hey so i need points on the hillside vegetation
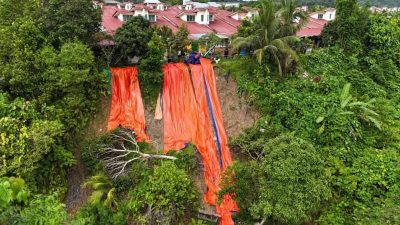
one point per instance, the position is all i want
(325, 148)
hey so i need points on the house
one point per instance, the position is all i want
(315, 24)
(327, 14)
(375, 9)
(313, 28)
(200, 18)
(245, 13)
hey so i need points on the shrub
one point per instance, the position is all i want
(43, 210)
(98, 215)
(287, 185)
(165, 197)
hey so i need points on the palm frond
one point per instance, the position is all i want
(259, 55)
(243, 42)
(279, 44)
(96, 197)
(376, 123)
(110, 200)
(345, 94)
(290, 40)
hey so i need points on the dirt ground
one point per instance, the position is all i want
(236, 113)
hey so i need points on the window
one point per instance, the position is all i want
(125, 17)
(210, 18)
(202, 18)
(320, 16)
(190, 18)
(330, 16)
(152, 18)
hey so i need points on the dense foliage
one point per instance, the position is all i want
(49, 88)
(344, 103)
(150, 68)
(167, 195)
(274, 188)
(341, 31)
(325, 149)
(133, 36)
(273, 35)
(70, 20)
(46, 99)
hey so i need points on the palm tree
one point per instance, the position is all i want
(291, 20)
(103, 191)
(274, 35)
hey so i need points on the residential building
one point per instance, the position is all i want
(246, 13)
(312, 28)
(200, 18)
(327, 14)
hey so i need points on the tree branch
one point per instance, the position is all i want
(117, 159)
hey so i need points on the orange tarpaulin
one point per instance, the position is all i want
(126, 102)
(179, 107)
(183, 122)
(208, 101)
(192, 113)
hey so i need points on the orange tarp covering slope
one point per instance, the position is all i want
(208, 101)
(179, 107)
(126, 102)
(181, 119)
(192, 113)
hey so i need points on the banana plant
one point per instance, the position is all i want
(350, 106)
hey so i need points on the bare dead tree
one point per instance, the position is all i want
(108, 48)
(117, 159)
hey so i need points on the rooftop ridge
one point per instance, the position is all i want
(170, 21)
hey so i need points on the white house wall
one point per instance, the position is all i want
(142, 12)
(236, 16)
(121, 17)
(329, 15)
(205, 14)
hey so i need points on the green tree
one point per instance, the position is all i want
(181, 41)
(210, 40)
(90, 214)
(43, 210)
(286, 185)
(25, 138)
(133, 36)
(167, 37)
(349, 110)
(367, 191)
(19, 44)
(245, 29)
(70, 83)
(150, 67)
(268, 42)
(349, 28)
(288, 14)
(12, 10)
(383, 52)
(167, 195)
(70, 20)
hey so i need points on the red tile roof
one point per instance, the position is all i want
(109, 22)
(313, 27)
(223, 24)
